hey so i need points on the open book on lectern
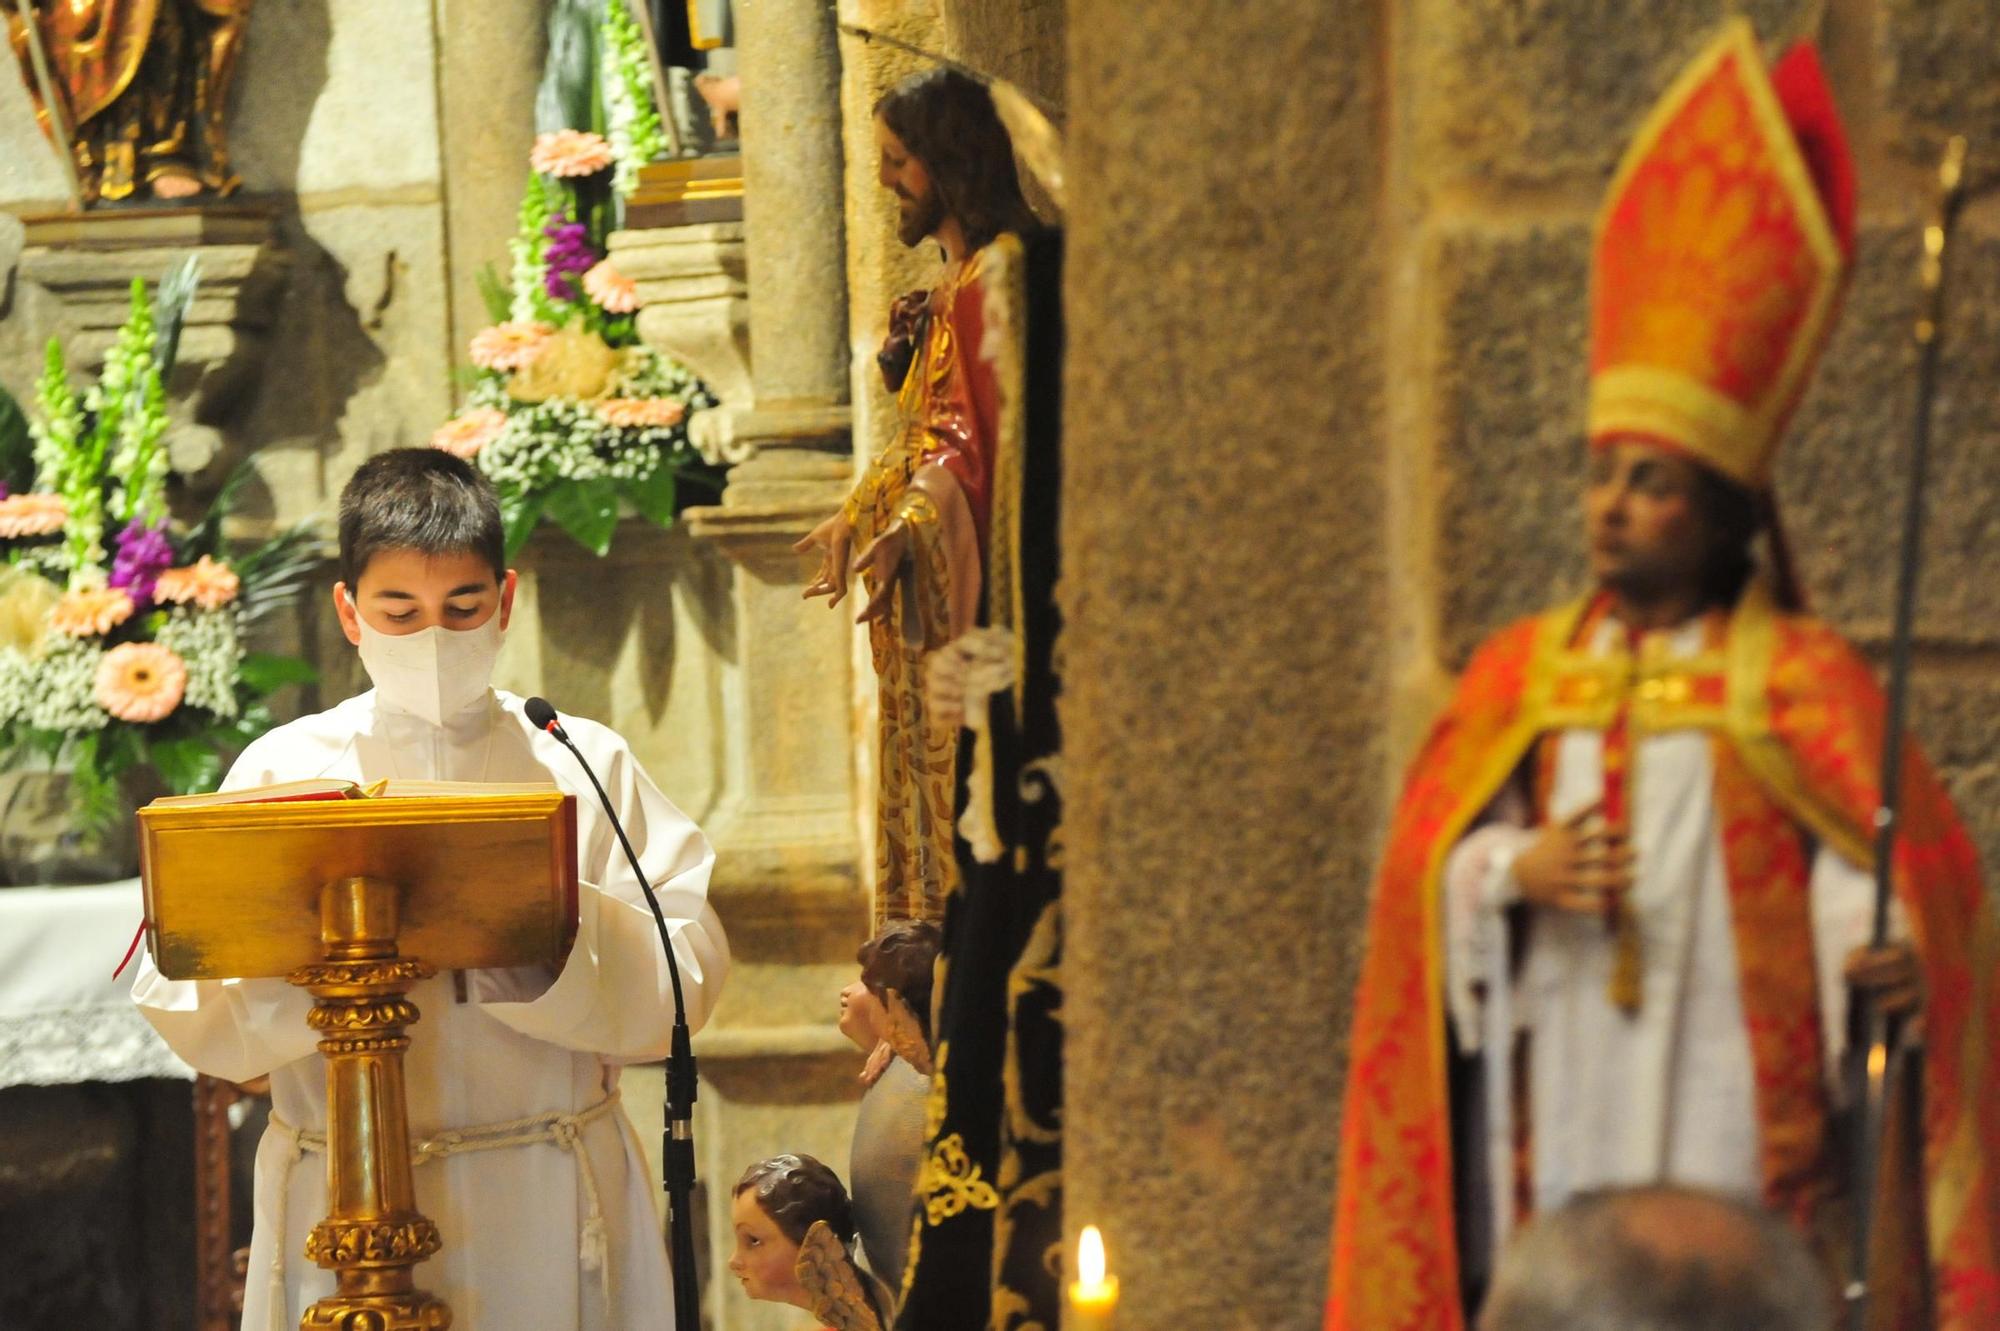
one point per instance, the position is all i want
(486, 873)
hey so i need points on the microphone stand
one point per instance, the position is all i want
(1881, 1045)
(677, 1171)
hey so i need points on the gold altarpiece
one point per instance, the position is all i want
(355, 901)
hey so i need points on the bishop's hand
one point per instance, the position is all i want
(1578, 865)
(1887, 976)
(832, 538)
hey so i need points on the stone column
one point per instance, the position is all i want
(1223, 541)
(777, 1076)
(794, 436)
(789, 817)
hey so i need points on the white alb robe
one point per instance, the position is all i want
(1663, 1095)
(524, 1042)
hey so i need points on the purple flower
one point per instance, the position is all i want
(567, 254)
(143, 554)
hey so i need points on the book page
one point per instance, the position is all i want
(398, 788)
(320, 788)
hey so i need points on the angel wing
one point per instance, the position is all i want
(839, 1298)
(905, 1035)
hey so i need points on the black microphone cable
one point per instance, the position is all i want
(677, 1148)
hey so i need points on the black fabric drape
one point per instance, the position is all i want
(986, 1250)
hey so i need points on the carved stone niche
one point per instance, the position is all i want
(87, 262)
(695, 307)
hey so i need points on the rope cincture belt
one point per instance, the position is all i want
(563, 1130)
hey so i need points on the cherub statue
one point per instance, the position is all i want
(795, 1244)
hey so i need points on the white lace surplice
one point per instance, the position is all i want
(1668, 1093)
(523, 1042)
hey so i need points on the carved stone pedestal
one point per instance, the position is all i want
(88, 262)
(693, 303)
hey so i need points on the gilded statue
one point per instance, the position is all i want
(137, 89)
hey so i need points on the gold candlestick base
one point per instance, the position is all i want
(373, 1234)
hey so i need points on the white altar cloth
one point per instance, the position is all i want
(62, 1017)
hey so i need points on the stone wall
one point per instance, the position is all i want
(1328, 269)
(1226, 598)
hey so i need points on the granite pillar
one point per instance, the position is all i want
(777, 1076)
(1223, 601)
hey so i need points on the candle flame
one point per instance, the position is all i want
(1090, 1257)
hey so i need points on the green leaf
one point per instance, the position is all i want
(493, 293)
(587, 510)
(251, 722)
(265, 673)
(280, 571)
(176, 297)
(567, 95)
(187, 766)
(519, 512)
(653, 495)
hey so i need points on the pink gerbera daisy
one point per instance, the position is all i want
(206, 583)
(140, 681)
(464, 435)
(614, 292)
(570, 152)
(510, 346)
(90, 611)
(633, 413)
(32, 515)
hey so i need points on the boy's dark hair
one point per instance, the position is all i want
(903, 957)
(795, 1191)
(421, 499)
(947, 120)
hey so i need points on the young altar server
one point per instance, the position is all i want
(524, 1158)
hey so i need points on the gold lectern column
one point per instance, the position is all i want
(373, 1233)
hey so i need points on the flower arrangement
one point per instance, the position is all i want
(569, 415)
(121, 631)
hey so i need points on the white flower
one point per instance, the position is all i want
(210, 643)
(56, 690)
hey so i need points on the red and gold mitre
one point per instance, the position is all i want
(1722, 251)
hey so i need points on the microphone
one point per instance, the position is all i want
(677, 1147)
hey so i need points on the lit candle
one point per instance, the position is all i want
(1094, 1293)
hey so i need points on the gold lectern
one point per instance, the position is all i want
(356, 900)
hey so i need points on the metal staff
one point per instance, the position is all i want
(1882, 1044)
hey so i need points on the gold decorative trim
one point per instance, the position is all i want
(1665, 404)
(1753, 646)
(407, 1312)
(689, 180)
(364, 1044)
(363, 1242)
(360, 974)
(1958, 1163)
(696, 38)
(375, 1014)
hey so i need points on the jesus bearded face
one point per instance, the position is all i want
(919, 204)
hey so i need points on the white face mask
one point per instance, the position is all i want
(435, 673)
